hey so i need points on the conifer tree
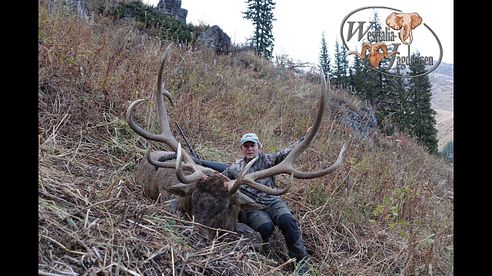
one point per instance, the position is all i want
(370, 84)
(380, 81)
(345, 66)
(337, 71)
(366, 81)
(341, 65)
(324, 57)
(393, 106)
(422, 116)
(260, 12)
(400, 101)
(359, 78)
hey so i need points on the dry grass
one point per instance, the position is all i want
(90, 226)
(388, 211)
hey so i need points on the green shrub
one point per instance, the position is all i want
(153, 22)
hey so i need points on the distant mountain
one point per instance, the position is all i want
(442, 87)
(442, 102)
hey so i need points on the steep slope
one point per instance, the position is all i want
(387, 210)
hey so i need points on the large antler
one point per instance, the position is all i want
(286, 166)
(168, 138)
(232, 186)
(166, 135)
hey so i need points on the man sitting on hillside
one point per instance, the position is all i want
(275, 211)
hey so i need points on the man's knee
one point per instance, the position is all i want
(266, 230)
(287, 221)
(288, 225)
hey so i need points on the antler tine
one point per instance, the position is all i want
(241, 180)
(161, 107)
(269, 190)
(286, 166)
(332, 168)
(161, 164)
(240, 177)
(195, 176)
(304, 144)
(166, 135)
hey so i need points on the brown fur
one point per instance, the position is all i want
(153, 180)
(212, 205)
(209, 203)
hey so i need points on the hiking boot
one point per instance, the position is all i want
(303, 268)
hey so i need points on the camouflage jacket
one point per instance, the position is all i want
(264, 161)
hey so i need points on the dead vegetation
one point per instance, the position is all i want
(388, 211)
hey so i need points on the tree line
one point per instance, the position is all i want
(402, 104)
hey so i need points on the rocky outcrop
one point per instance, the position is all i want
(77, 7)
(215, 38)
(361, 124)
(361, 121)
(172, 8)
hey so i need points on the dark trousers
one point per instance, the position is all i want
(278, 214)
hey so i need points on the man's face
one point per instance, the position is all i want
(250, 150)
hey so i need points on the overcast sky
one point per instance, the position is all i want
(299, 24)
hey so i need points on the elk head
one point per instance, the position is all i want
(208, 196)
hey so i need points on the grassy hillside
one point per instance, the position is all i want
(388, 210)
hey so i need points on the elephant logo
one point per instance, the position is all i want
(404, 23)
(378, 41)
(375, 56)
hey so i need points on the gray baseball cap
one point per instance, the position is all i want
(250, 137)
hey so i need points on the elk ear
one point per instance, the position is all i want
(245, 202)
